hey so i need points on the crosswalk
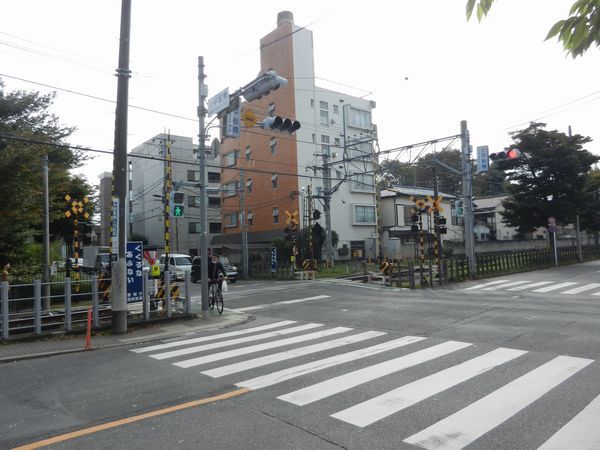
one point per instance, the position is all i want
(539, 287)
(335, 368)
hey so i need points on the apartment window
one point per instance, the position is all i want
(214, 202)
(363, 149)
(248, 153)
(214, 227)
(249, 186)
(250, 220)
(273, 145)
(324, 108)
(312, 102)
(274, 181)
(229, 189)
(339, 175)
(337, 142)
(314, 137)
(336, 109)
(231, 220)
(360, 118)
(214, 177)
(275, 215)
(271, 110)
(193, 175)
(194, 227)
(408, 213)
(230, 158)
(364, 215)
(325, 145)
(363, 182)
(193, 201)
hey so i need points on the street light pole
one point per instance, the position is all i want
(203, 93)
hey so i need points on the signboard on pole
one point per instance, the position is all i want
(483, 158)
(135, 264)
(273, 259)
(219, 102)
(114, 229)
(233, 123)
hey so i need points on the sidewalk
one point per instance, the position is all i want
(61, 344)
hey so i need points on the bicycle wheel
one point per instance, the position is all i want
(211, 297)
(219, 301)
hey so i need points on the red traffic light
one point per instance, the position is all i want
(513, 153)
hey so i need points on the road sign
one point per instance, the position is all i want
(551, 220)
(114, 229)
(273, 259)
(155, 270)
(219, 102)
(134, 266)
(483, 158)
(233, 124)
(249, 118)
(291, 218)
(551, 227)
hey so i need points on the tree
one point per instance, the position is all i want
(590, 212)
(577, 32)
(26, 125)
(548, 181)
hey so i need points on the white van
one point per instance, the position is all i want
(179, 264)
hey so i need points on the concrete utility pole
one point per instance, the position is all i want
(243, 226)
(119, 280)
(327, 207)
(577, 228)
(467, 181)
(202, 94)
(46, 261)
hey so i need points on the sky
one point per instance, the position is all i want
(423, 64)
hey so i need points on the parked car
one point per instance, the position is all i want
(179, 264)
(230, 269)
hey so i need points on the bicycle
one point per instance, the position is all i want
(215, 297)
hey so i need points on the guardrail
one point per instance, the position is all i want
(40, 308)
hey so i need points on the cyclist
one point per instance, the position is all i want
(215, 268)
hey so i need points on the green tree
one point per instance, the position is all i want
(549, 180)
(590, 211)
(26, 125)
(577, 32)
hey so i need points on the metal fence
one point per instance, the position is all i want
(62, 306)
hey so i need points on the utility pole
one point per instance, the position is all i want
(577, 228)
(436, 226)
(327, 207)
(46, 261)
(243, 226)
(202, 94)
(119, 280)
(467, 181)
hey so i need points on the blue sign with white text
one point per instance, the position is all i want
(273, 259)
(135, 267)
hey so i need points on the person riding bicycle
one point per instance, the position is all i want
(215, 268)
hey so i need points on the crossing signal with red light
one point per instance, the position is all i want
(415, 222)
(507, 153)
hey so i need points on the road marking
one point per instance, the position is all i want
(213, 337)
(491, 283)
(289, 354)
(587, 287)
(314, 366)
(391, 402)
(286, 302)
(259, 347)
(462, 428)
(581, 432)
(502, 286)
(213, 345)
(132, 419)
(527, 286)
(554, 287)
(352, 379)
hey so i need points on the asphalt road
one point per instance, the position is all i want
(490, 364)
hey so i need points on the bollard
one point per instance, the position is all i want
(146, 297)
(67, 304)
(88, 334)
(95, 317)
(37, 307)
(188, 297)
(168, 292)
(5, 309)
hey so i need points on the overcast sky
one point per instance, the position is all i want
(426, 67)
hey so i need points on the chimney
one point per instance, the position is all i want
(285, 17)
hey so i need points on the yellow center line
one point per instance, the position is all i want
(132, 419)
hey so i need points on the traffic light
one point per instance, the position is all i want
(415, 222)
(177, 199)
(440, 224)
(459, 208)
(178, 211)
(268, 82)
(278, 123)
(507, 153)
(290, 233)
(316, 214)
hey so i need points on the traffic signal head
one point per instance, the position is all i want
(316, 214)
(268, 82)
(178, 211)
(278, 123)
(507, 153)
(178, 197)
(414, 218)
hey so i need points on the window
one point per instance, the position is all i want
(231, 220)
(362, 149)
(274, 181)
(325, 145)
(229, 189)
(214, 202)
(324, 108)
(339, 175)
(364, 214)
(193, 175)
(249, 186)
(273, 145)
(248, 153)
(314, 137)
(230, 158)
(193, 201)
(275, 215)
(337, 142)
(271, 110)
(194, 227)
(360, 118)
(312, 102)
(214, 227)
(336, 109)
(408, 213)
(214, 177)
(363, 182)
(250, 220)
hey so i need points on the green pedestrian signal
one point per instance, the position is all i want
(178, 211)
